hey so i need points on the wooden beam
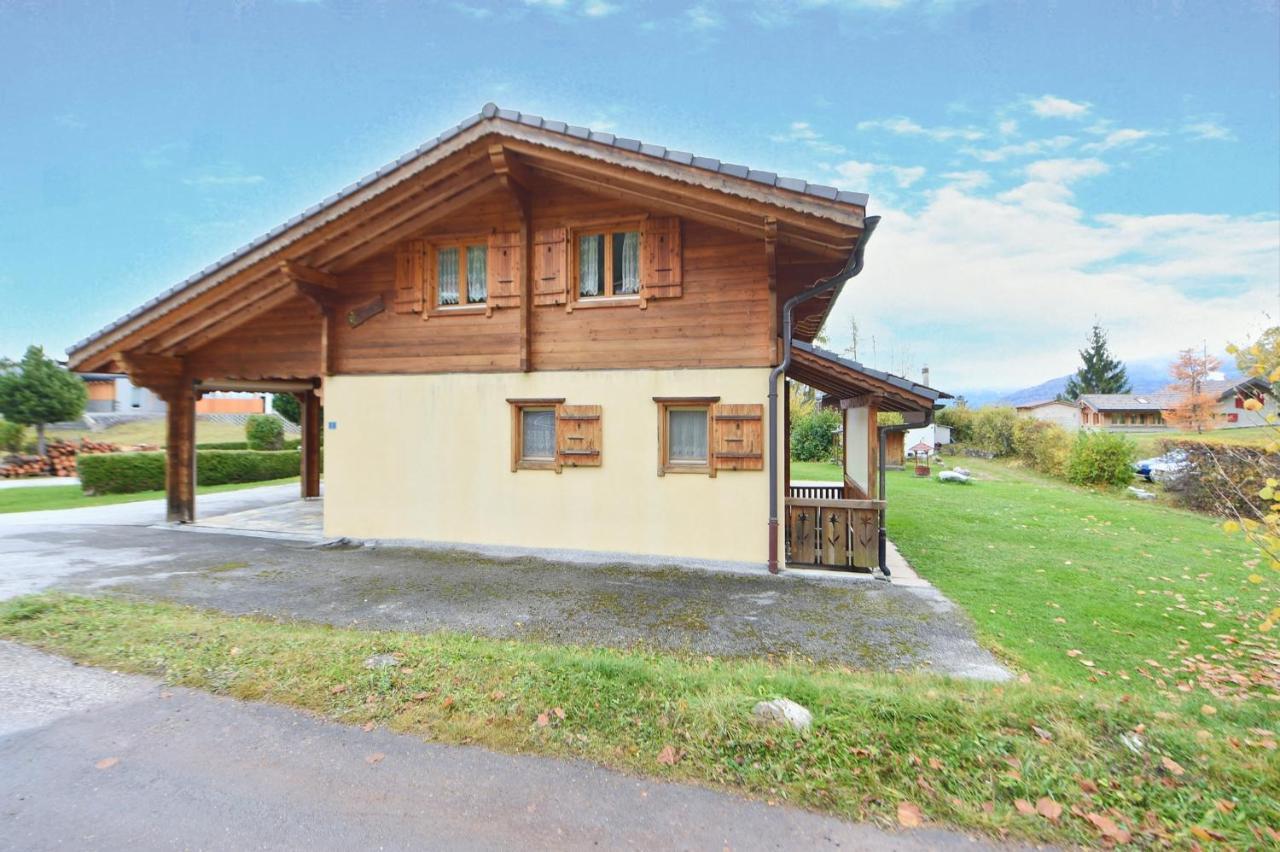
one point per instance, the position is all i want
(302, 273)
(322, 298)
(311, 427)
(180, 454)
(512, 174)
(231, 316)
(771, 264)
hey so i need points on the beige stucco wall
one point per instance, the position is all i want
(428, 457)
(856, 451)
(1065, 415)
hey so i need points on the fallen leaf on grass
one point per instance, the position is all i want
(1042, 733)
(1172, 766)
(1088, 786)
(107, 762)
(497, 695)
(1107, 826)
(559, 711)
(934, 763)
(1048, 808)
(543, 720)
(447, 703)
(669, 756)
(910, 815)
(1225, 806)
(1206, 834)
(338, 690)
(1074, 652)
(367, 727)
(421, 696)
(1208, 709)
(1024, 807)
(375, 758)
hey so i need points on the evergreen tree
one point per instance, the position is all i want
(287, 406)
(38, 390)
(1099, 372)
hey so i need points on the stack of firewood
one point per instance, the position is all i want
(59, 460)
(19, 466)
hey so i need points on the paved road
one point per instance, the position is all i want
(95, 760)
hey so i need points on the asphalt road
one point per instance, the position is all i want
(95, 760)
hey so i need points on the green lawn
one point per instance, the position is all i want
(149, 431)
(1149, 443)
(820, 471)
(36, 498)
(1145, 705)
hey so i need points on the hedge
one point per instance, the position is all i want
(121, 473)
(289, 444)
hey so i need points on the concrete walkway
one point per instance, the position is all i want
(116, 762)
(38, 482)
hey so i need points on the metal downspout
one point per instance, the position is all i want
(851, 268)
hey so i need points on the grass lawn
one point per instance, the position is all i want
(819, 471)
(1145, 708)
(150, 432)
(1149, 442)
(37, 498)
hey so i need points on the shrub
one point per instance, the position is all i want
(287, 406)
(123, 473)
(959, 419)
(12, 436)
(289, 444)
(1042, 446)
(1222, 479)
(1101, 458)
(264, 432)
(993, 430)
(813, 435)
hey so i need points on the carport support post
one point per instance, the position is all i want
(310, 444)
(180, 453)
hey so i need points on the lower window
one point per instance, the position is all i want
(684, 434)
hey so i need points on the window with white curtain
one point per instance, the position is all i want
(608, 263)
(538, 434)
(461, 275)
(687, 436)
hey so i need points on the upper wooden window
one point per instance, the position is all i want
(607, 261)
(461, 275)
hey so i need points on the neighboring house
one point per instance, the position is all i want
(113, 393)
(1063, 413)
(1139, 412)
(540, 338)
(933, 436)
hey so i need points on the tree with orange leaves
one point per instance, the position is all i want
(1196, 409)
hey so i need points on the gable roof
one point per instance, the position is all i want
(843, 378)
(1161, 401)
(761, 187)
(1027, 406)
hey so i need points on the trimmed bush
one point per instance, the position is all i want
(1101, 458)
(12, 436)
(813, 435)
(121, 473)
(264, 432)
(125, 473)
(993, 430)
(1042, 446)
(289, 444)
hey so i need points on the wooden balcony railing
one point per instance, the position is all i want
(832, 532)
(816, 492)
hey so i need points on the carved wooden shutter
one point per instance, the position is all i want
(737, 435)
(660, 259)
(550, 266)
(578, 435)
(506, 269)
(411, 276)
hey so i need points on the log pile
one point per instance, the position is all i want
(59, 459)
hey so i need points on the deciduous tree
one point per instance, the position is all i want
(1196, 409)
(38, 390)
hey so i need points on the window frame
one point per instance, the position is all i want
(666, 404)
(461, 242)
(518, 407)
(607, 229)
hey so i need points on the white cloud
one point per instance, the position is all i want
(598, 8)
(1029, 148)
(999, 291)
(859, 175)
(803, 133)
(1117, 138)
(968, 180)
(702, 17)
(1008, 127)
(1208, 129)
(1050, 106)
(477, 12)
(903, 126)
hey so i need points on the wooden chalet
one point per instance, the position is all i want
(533, 336)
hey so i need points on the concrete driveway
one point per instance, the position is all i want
(859, 622)
(103, 761)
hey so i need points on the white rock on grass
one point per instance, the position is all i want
(783, 710)
(381, 661)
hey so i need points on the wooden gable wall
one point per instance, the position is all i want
(281, 344)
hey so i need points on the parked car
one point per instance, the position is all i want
(1162, 468)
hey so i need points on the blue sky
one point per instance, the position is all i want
(1037, 164)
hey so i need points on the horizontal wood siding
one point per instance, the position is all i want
(281, 344)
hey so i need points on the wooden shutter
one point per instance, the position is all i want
(578, 435)
(660, 259)
(550, 266)
(506, 269)
(411, 276)
(737, 436)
